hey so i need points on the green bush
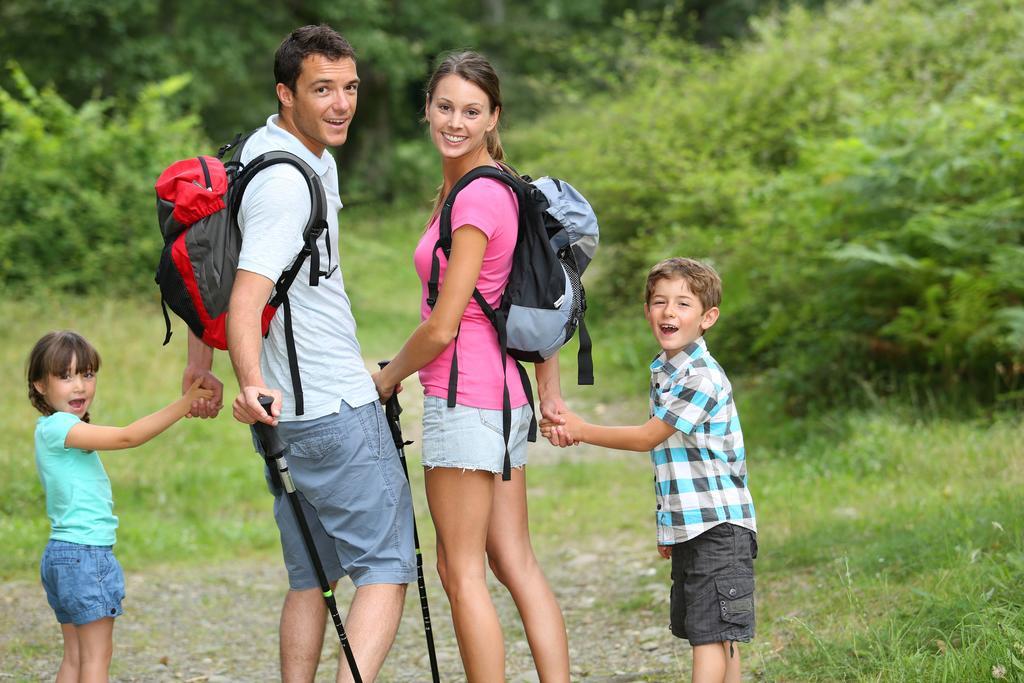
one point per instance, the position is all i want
(854, 176)
(76, 185)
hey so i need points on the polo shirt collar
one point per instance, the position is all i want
(283, 139)
(684, 358)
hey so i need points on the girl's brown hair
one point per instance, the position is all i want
(53, 355)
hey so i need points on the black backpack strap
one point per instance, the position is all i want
(524, 376)
(293, 359)
(444, 241)
(585, 360)
(315, 226)
(167, 321)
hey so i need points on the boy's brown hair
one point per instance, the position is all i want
(701, 278)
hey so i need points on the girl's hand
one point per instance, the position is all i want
(207, 406)
(196, 392)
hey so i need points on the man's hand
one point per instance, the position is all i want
(203, 407)
(247, 408)
(665, 551)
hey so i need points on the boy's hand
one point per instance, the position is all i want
(665, 551)
(572, 426)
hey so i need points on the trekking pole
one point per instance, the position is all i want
(273, 453)
(392, 410)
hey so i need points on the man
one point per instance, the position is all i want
(342, 458)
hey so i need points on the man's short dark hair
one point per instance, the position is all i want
(306, 41)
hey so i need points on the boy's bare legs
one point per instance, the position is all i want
(460, 505)
(95, 649)
(513, 562)
(712, 663)
(68, 672)
(370, 625)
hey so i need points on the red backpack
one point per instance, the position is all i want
(197, 208)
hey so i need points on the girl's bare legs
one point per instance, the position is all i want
(95, 648)
(460, 505)
(511, 557)
(68, 672)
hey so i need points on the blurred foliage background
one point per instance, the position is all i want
(853, 170)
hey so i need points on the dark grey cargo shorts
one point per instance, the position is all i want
(713, 586)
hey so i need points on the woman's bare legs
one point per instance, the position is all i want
(460, 505)
(512, 560)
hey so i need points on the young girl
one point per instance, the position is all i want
(83, 580)
(479, 518)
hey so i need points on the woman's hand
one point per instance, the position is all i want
(385, 389)
(552, 411)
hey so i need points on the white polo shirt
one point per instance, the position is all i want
(273, 213)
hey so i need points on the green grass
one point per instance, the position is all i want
(892, 543)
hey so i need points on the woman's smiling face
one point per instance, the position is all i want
(460, 116)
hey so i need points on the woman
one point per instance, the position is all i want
(477, 516)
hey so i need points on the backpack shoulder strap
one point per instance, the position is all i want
(444, 241)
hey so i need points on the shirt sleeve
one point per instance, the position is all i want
(274, 210)
(688, 402)
(55, 431)
(484, 204)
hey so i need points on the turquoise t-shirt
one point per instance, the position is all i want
(79, 502)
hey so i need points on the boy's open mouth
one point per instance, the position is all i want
(668, 329)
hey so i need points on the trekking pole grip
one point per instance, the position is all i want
(268, 435)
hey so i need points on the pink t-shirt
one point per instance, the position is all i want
(491, 207)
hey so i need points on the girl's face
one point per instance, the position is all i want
(70, 392)
(460, 116)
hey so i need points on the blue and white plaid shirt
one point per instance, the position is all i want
(700, 471)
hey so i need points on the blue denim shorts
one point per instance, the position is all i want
(84, 583)
(354, 496)
(471, 438)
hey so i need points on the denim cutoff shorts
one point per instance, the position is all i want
(471, 438)
(84, 583)
(354, 496)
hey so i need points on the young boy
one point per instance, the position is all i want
(705, 515)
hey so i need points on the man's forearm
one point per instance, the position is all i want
(244, 323)
(200, 356)
(245, 342)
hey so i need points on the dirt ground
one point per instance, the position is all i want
(219, 623)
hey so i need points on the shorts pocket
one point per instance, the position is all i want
(492, 419)
(736, 599)
(371, 420)
(313, 446)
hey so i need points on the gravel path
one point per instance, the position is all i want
(219, 623)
